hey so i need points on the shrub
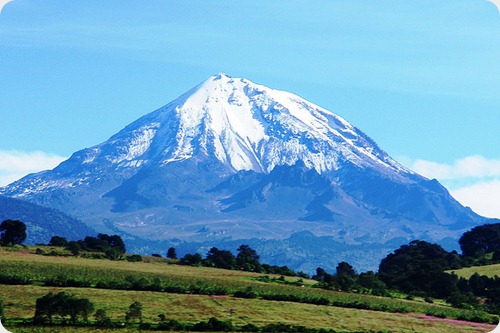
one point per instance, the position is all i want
(134, 258)
(247, 293)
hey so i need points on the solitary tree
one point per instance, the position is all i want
(134, 311)
(12, 232)
(419, 266)
(171, 253)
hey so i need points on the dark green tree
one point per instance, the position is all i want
(220, 259)
(12, 232)
(419, 267)
(96, 244)
(45, 308)
(113, 254)
(191, 259)
(346, 276)
(369, 282)
(74, 248)
(480, 240)
(323, 277)
(101, 318)
(134, 312)
(344, 268)
(171, 253)
(115, 242)
(248, 259)
(63, 305)
(58, 241)
(76, 307)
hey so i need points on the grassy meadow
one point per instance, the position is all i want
(193, 294)
(489, 270)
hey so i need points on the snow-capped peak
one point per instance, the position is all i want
(251, 127)
(243, 125)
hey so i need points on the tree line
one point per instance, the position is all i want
(246, 259)
(417, 269)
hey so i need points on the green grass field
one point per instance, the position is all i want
(347, 312)
(490, 271)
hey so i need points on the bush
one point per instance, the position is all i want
(134, 258)
(247, 293)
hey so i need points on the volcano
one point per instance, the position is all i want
(232, 162)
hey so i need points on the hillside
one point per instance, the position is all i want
(41, 222)
(194, 294)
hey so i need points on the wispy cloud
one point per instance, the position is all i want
(469, 167)
(16, 164)
(474, 181)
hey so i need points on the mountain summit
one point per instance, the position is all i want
(231, 161)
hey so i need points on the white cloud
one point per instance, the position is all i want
(483, 198)
(469, 167)
(16, 164)
(474, 181)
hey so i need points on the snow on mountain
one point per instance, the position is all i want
(252, 127)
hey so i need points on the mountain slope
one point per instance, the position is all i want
(42, 223)
(231, 160)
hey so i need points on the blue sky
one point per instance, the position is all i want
(422, 77)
